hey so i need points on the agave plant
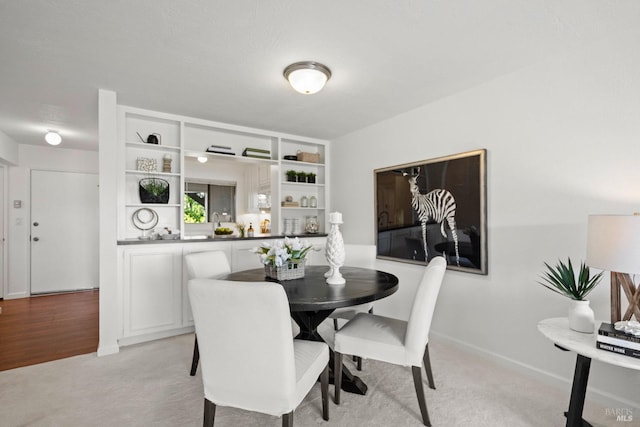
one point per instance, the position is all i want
(561, 279)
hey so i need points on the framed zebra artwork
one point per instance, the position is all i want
(434, 207)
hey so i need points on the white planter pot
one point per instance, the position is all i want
(581, 317)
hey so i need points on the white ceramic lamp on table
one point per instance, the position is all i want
(613, 244)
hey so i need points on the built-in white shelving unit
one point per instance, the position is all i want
(181, 138)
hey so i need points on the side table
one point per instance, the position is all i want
(557, 330)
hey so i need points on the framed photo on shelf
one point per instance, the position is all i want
(434, 207)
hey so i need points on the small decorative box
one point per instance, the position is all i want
(308, 157)
(146, 164)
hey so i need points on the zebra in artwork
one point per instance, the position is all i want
(438, 206)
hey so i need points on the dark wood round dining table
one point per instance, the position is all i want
(312, 300)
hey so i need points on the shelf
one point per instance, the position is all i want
(302, 184)
(229, 158)
(151, 174)
(153, 205)
(296, 162)
(156, 147)
(300, 208)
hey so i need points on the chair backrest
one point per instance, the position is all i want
(246, 344)
(207, 265)
(424, 304)
(360, 256)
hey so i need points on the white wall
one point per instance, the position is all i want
(563, 141)
(42, 158)
(8, 150)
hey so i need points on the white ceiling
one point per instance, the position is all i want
(223, 60)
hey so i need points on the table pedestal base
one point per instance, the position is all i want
(308, 321)
(578, 391)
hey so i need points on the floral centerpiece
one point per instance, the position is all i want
(284, 259)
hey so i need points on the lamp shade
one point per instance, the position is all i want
(613, 243)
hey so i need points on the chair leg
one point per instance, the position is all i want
(337, 376)
(324, 388)
(196, 358)
(209, 413)
(417, 381)
(287, 419)
(427, 367)
(335, 324)
(359, 363)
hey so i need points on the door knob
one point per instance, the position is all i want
(35, 224)
(35, 239)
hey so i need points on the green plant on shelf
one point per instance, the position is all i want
(302, 176)
(311, 177)
(154, 186)
(291, 175)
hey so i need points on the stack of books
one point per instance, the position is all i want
(257, 153)
(617, 341)
(220, 149)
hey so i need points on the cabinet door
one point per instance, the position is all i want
(152, 290)
(264, 177)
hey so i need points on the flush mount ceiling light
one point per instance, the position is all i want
(307, 77)
(202, 159)
(53, 138)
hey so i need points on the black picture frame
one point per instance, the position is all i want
(453, 186)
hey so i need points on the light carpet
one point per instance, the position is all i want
(149, 384)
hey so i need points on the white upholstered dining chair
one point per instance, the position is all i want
(249, 357)
(395, 341)
(355, 256)
(205, 265)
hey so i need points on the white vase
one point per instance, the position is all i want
(335, 251)
(581, 317)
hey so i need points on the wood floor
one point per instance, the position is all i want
(44, 328)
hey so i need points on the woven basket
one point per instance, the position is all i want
(289, 271)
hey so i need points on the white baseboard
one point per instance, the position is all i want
(598, 396)
(105, 350)
(155, 336)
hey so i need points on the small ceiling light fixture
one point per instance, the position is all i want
(307, 77)
(203, 159)
(53, 137)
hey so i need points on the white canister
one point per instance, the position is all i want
(297, 226)
(288, 226)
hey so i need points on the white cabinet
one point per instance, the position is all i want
(258, 187)
(264, 177)
(152, 292)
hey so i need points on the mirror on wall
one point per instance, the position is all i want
(209, 202)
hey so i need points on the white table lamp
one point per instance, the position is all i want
(613, 244)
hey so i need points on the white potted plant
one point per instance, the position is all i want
(284, 259)
(562, 280)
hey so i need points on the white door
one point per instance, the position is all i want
(64, 231)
